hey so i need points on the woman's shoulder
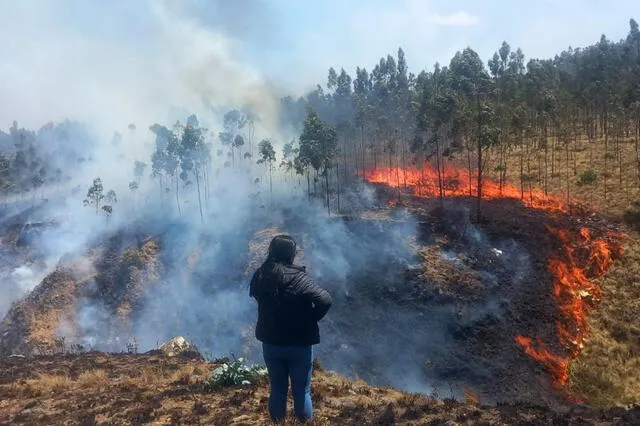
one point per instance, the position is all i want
(294, 273)
(297, 268)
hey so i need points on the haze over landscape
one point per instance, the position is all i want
(136, 59)
(462, 177)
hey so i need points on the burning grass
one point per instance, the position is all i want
(608, 370)
(426, 182)
(581, 257)
(575, 293)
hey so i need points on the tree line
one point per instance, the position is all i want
(29, 159)
(515, 111)
(496, 116)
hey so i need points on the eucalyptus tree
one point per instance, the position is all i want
(318, 147)
(267, 157)
(470, 79)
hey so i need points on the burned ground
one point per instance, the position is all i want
(424, 299)
(101, 389)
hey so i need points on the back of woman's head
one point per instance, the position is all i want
(270, 276)
(282, 249)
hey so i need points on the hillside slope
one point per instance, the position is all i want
(100, 389)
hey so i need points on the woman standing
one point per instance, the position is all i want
(290, 305)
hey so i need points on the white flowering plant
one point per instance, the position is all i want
(237, 373)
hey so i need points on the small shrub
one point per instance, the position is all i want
(46, 384)
(632, 215)
(88, 379)
(587, 177)
(237, 373)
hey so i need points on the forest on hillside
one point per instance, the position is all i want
(517, 111)
(504, 118)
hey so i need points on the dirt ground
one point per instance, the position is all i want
(127, 389)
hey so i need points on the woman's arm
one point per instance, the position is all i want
(319, 297)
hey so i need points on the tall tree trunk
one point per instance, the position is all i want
(398, 178)
(420, 186)
(270, 184)
(177, 195)
(480, 165)
(554, 141)
(438, 166)
(199, 198)
(208, 184)
(326, 180)
(390, 170)
(618, 131)
(606, 155)
(567, 143)
(529, 176)
(575, 153)
(469, 166)
(404, 164)
(344, 161)
(479, 196)
(522, 170)
(338, 184)
(375, 155)
(362, 147)
(315, 181)
(546, 160)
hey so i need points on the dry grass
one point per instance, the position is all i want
(46, 384)
(151, 389)
(619, 171)
(93, 378)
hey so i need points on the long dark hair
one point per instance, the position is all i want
(269, 276)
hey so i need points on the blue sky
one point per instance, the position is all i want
(119, 59)
(310, 36)
(295, 41)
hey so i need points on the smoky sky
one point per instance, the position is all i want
(254, 22)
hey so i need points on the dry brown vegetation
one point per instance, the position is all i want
(94, 388)
(32, 325)
(619, 170)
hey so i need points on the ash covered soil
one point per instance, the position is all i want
(103, 389)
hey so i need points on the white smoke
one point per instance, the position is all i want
(119, 62)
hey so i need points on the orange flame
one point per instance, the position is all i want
(557, 365)
(455, 182)
(572, 270)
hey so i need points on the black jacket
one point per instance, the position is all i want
(289, 315)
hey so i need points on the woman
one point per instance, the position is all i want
(290, 305)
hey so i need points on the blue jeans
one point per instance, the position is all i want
(289, 361)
